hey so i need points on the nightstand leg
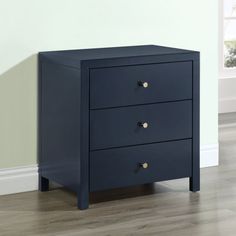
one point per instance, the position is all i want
(194, 180)
(194, 183)
(83, 201)
(43, 184)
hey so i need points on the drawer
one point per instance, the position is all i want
(122, 86)
(141, 164)
(126, 125)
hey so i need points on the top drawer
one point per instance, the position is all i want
(123, 85)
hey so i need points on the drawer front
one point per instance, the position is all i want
(120, 167)
(123, 126)
(121, 86)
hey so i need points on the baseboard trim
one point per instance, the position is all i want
(227, 105)
(227, 91)
(25, 178)
(18, 179)
(209, 155)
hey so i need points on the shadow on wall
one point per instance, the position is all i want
(18, 114)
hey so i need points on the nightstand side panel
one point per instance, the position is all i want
(59, 126)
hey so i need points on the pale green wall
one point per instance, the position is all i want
(29, 26)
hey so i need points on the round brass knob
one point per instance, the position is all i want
(143, 84)
(144, 165)
(143, 124)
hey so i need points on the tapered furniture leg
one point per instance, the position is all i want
(43, 184)
(194, 183)
(83, 201)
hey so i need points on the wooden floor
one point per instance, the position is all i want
(161, 209)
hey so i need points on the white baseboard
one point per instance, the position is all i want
(227, 105)
(18, 179)
(25, 179)
(209, 155)
(227, 91)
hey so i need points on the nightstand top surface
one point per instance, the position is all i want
(74, 57)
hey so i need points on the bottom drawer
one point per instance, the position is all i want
(141, 164)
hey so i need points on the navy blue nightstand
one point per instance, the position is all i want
(115, 117)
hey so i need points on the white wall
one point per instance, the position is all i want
(30, 26)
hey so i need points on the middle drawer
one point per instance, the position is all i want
(134, 125)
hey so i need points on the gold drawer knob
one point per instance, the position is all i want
(143, 84)
(143, 124)
(144, 165)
